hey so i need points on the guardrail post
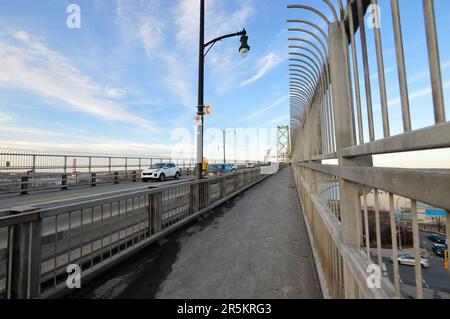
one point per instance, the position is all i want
(24, 185)
(223, 190)
(236, 182)
(134, 176)
(349, 193)
(64, 182)
(194, 198)
(204, 195)
(156, 210)
(116, 177)
(94, 179)
(25, 272)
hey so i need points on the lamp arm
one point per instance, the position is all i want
(212, 42)
(224, 37)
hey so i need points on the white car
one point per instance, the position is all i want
(250, 165)
(410, 260)
(161, 171)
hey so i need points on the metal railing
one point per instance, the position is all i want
(37, 245)
(23, 171)
(327, 124)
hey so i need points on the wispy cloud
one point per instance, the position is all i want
(265, 65)
(27, 63)
(416, 94)
(263, 110)
(178, 54)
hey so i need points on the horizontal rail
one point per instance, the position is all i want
(425, 185)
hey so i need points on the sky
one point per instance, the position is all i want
(126, 81)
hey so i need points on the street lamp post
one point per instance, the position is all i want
(244, 48)
(224, 149)
(224, 145)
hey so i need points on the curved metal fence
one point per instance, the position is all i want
(333, 117)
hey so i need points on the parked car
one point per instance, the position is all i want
(439, 249)
(250, 165)
(437, 238)
(161, 171)
(410, 260)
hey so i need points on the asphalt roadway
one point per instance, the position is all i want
(47, 198)
(435, 278)
(253, 246)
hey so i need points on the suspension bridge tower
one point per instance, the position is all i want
(284, 144)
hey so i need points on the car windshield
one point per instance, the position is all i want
(157, 166)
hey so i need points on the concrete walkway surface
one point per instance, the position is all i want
(254, 246)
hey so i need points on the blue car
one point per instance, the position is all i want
(221, 169)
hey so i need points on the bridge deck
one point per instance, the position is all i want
(255, 246)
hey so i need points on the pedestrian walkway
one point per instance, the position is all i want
(257, 249)
(253, 246)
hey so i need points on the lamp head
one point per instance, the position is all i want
(243, 50)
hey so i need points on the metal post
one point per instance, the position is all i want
(156, 208)
(224, 154)
(24, 185)
(434, 61)
(194, 198)
(64, 182)
(344, 127)
(200, 106)
(33, 169)
(93, 179)
(25, 268)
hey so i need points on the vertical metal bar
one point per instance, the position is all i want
(110, 229)
(366, 227)
(81, 240)
(120, 226)
(434, 61)
(92, 236)
(133, 218)
(126, 223)
(69, 239)
(381, 75)
(401, 66)
(10, 246)
(378, 227)
(356, 75)
(416, 240)
(55, 252)
(29, 261)
(362, 32)
(394, 246)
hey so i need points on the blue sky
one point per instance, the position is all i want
(127, 80)
(128, 77)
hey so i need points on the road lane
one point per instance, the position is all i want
(44, 199)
